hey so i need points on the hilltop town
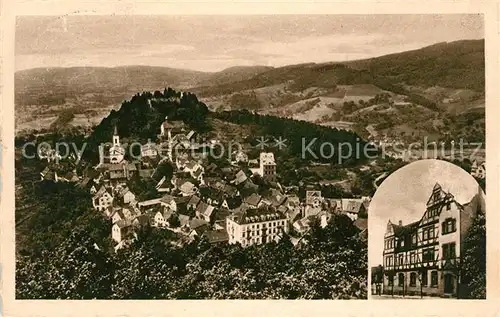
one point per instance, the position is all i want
(239, 202)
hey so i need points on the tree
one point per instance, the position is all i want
(174, 221)
(474, 259)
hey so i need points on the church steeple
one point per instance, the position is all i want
(116, 137)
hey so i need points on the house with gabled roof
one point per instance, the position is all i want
(125, 195)
(122, 230)
(168, 201)
(197, 227)
(117, 215)
(424, 256)
(162, 217)
(205, 211)
(102, 199)
(184, 220)
(140, 221)
(352, 207)
(193, 202)
(187, 189)
(231, 203)
(216, 236)
(254, 200)
(240, 178)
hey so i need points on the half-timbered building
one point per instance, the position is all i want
(423, 257)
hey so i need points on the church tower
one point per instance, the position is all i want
(116, 138)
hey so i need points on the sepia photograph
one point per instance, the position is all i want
(433, 243)
(248, 156)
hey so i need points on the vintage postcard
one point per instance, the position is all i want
(247, 152)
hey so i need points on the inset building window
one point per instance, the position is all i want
(401, 279)
(449, 251)
(413, 279)
(449, 225)
(434, 278)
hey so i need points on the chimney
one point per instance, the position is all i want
(400, 223)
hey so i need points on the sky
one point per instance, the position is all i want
(404, 194)
(213, 43)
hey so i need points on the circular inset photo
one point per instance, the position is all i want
(427, 234)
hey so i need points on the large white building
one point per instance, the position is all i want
(267, 165)
(256, 226)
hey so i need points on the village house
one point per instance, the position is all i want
(255, 226)
(149, 150)
(163, 186)
(313, 198)
(478, 170)
(197, 227)
(122, 230)
(220, 219)
(168, 201)
(102, 199)
(193, 202)
(195, 170)
(352, 207)
(231, 203)
(182, 203)
(187, 189)
(162, 217)
(254, 200)
(240, 178)
(117, 215)
(205, 211)
(150, 204)
(216, 236)
(140, 221)
(48, 174)
(125, 195)
(301, 225)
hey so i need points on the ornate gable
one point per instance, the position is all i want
(389, 231)
(436, 196)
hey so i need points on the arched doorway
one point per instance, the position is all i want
(401, 283)
(449, 283)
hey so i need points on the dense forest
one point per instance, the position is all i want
(306, 140)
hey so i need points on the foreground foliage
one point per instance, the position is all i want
(76, 261)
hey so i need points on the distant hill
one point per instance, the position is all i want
(57, 81)
(457, 64)
(232, 74)
(425, 85)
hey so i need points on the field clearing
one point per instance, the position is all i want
(36, 124)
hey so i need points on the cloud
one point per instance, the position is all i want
(194, 40)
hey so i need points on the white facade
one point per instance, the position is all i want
(257, 232)
(267, 164)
